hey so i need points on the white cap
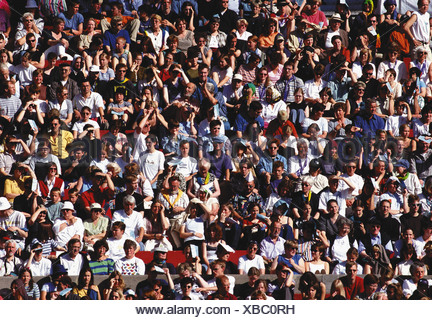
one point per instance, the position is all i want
(238, 77)
(68, 206)
(94, 68)
(4, 203)
(95, 206)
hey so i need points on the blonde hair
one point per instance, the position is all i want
(337, 288)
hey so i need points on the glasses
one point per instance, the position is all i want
(28, 20)
(31, 40)
(53, 169)
(360, 89)
(421, 53)
(119, 24)
(273, 148)
(352, 271)
(351, 167)
(253, 248)
(122, 71)
(85, 113)
(187, 287)
(374, 21)
(369, 73)
(415, 204)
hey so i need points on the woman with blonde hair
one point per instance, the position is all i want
(115, 282)
(272, 105)
(364, 58)
(337, 290)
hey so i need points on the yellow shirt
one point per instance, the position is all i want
(14, 186)
(58, 145)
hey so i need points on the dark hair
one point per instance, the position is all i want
(31, 282)
(81, 282)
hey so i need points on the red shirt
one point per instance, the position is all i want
(217, 295)
(352, 290)
(100, 196)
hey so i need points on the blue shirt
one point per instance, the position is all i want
(242, 121)
(129, 6)
(340, 89)
(368, 125)
(74, 22)
(265, 164)
(177, 4)
(219, 165)
(109, 39)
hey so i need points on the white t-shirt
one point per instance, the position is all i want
(187, 166)
(24, 75)
(116, 251)
(269, 112)
(40, 268)
(94, 102)
(133, 222)
(63, 237)
(312, 90)
(321, 122)
(130, 267)
(245, 264)
(79, 125)
(330, 35)
(356, 180)
(151, 163)
(73, 266)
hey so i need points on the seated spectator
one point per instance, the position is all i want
(10, 264)
(160, 254)
(311, 288)
(96, 227)
(251, 259)
(55, 205)
(282, 287)
(100, 264)
(290, 258)
(115, 282)
(117, 240)
(74, 261)
(417, 271)
(68, 226)
(131, 218)
(352, 284)
(129, 264)
(316, 265)
(37, 263)
(85, 286)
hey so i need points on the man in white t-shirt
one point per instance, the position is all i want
(131, 218)
(151, 161)
(186, 165)
(251, 259)
(73, 261)
(93, 100)
(418, 28)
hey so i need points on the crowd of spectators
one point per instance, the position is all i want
(210, 126)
